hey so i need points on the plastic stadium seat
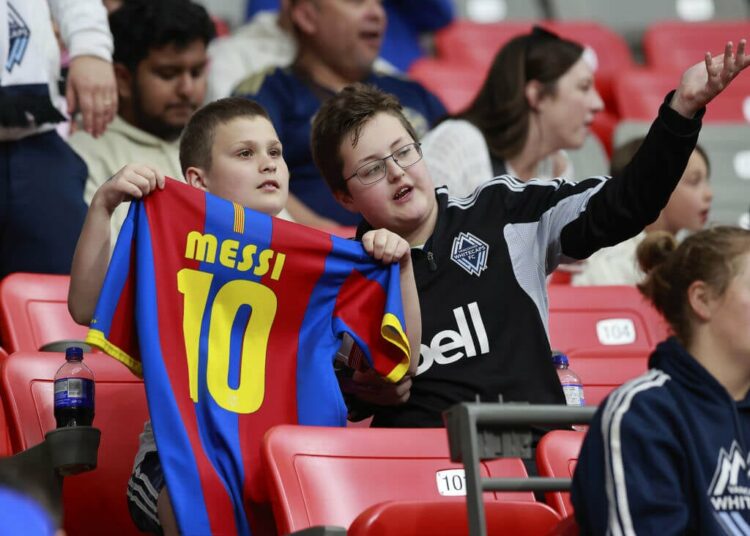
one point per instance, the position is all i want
(455, 84)
(420, 518)
(327, 476)
(631, 18)
(613, 317)
(5, 446)
(556, 456)
(470, 43)
(728, 148)
(34, 312)
(94, 502)
(676, 45)
(639, 93)
(604, 369)
(475, 44)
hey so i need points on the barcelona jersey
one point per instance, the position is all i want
(233, 318)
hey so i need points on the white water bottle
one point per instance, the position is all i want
(571, 383)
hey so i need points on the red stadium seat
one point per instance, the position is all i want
(475, 44)
(676, 45)
(455, 84)
(328, 476)
(606, 368)
(556, 456)
(639, 93)
(613, 318)
(34, 312)
(419, 518)
(94, 503)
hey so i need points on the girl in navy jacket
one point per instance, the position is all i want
(667, 452)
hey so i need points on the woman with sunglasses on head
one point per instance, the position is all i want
(667, 452)
(538, 99)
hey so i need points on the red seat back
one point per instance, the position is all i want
(419, 518)
(604, 369)
(456, 84)
(476, 44)
(94, 503)
(556, 456)
(639, 93)
(676, 45)
(34, 312)
(327, 476)
(602, 317)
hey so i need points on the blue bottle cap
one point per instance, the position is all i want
(559, 358)
(74, 352)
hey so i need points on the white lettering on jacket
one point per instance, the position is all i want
(448, 346)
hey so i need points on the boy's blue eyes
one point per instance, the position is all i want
(247, 153)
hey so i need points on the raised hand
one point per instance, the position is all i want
(704, 80)
(386, 246)
(132, 182)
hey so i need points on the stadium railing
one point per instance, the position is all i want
(481, 431)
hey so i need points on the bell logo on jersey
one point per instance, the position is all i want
(729, 491)
(445, 347)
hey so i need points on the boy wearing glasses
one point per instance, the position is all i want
(481, 262)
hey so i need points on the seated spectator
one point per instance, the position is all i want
(338, 43)
(687, 210)
(408, 21)
(538, 99)
(667, 452)
(41, 178)
(480, 263)
(265, 42)
(160, 65)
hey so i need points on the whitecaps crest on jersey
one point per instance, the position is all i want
(470, 253)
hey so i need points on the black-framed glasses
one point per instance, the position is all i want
(373, 171)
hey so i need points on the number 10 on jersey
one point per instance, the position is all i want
(195, 286)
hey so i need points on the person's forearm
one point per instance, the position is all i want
(90, 263)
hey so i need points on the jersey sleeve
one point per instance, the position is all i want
(369, 309)
(113, 327)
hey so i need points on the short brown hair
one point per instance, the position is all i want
(198, 137)
(710, 255)
(344, 115)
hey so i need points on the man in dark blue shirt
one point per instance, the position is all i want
(338, 44)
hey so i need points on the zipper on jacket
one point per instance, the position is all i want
(431, 261)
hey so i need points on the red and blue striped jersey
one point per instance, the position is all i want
(234, 318)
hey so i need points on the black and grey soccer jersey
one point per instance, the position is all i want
(482, 274)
